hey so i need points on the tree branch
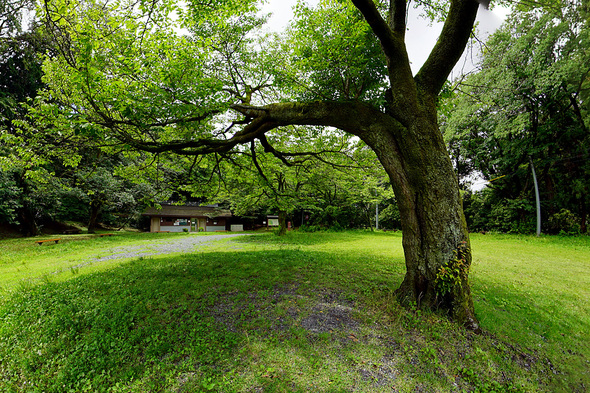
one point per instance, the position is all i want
(397, 16)
(353, 117)
(449, 47)
(108, 121)
(259, 168)
(392, 41)
(381, 29)
(202, 146)
(282, 155)
(391, 36)
(378, 130)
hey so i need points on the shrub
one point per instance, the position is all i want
(309, 228)
(390, 218)
(565, 222)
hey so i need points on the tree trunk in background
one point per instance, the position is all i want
(583, 214)
(28, 225)
(26, 213)
(95, 207)
(282, 223)
(368, 218)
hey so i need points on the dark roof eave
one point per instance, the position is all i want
(225, 215)
(187, 211)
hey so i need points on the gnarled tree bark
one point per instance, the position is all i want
(420, 170)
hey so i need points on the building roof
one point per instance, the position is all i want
(187, 211)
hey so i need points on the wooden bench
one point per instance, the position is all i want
(72, 232)
(105, 234)
(39, 242)
(160, 232)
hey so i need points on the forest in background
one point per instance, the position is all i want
(525, 104)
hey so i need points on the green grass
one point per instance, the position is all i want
(536, 292)
(24, 263)
(305, 312)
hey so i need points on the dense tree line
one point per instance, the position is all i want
(46, 180)
(527, 105)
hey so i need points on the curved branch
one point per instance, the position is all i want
(259, 168)
(380, 27)
(449, 47)
(282, 155)
(203, 146)
(378, 130)
(354, 117)
(391, 37)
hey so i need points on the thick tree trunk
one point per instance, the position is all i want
(437, 251)
(435, 236)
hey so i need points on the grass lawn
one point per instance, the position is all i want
(304, 312)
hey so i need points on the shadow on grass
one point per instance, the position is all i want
(317, 238)
(282, 320)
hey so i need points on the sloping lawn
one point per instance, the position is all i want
(305, 312)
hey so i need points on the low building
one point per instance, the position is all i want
(173, 218)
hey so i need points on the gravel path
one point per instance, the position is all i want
(190, 243)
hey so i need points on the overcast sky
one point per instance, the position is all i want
(420, 38)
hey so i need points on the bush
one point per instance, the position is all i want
(565, 222)
(390, 218)
(309, 228)
(485, 212)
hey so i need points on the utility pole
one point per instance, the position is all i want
(377, 215)
(536, 197)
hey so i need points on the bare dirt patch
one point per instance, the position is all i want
(375, 352)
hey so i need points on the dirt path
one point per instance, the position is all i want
(190, 243)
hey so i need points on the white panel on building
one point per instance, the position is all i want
(212, 228)
(175, 228)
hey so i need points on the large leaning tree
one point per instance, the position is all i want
(196, 79)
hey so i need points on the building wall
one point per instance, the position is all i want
(155, 224)
(175, 228)
(191, 224)
(215, 224)
(175, 224)
(212, 228)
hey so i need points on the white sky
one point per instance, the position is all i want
(420, 38)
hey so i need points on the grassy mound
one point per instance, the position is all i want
(309, 312)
